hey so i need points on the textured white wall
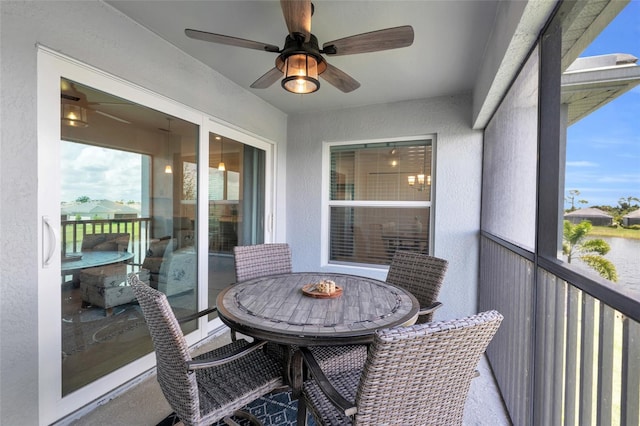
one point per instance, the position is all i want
(517, 26)
(511, 162)
(98, 35)
(458, 173)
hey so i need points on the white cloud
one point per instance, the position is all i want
(99, 173)
(581, 164)
(623, 178)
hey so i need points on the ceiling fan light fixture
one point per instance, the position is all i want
(221, 166)
(301, 74)
(74, 116)
(168, 169)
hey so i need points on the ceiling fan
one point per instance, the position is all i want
(75, 106)
(301, 60)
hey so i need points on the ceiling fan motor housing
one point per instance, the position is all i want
(296, 45)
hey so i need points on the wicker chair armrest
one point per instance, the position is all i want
(213, 362)
(429, 309)
(325, 385)
(197, 315)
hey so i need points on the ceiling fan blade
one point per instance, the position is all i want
(270, 77)
(375, 41)
(339, 79)
(113, 117)
(123, 103)
(297, 15)
(231, 41)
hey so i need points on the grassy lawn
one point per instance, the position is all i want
(605, 231)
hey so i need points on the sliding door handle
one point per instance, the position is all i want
(49, 241)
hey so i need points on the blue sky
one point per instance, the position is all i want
(603, 149)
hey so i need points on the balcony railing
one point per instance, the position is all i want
(73, 231)
(561, 356)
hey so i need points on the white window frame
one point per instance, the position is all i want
(327, 203)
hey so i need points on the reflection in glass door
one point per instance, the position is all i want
(128, 205)
(236, 205)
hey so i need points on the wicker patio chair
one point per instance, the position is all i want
(422, 275)
(418, 273)
(261, 260)
(209, 387)
(414, 375)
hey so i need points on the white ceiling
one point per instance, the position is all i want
(450, 40)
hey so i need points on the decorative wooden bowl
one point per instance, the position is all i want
(309, 290)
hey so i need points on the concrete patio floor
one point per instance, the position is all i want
(144, 404)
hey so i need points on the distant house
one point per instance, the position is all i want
(595, 216)
(97, 209)
(632, 218)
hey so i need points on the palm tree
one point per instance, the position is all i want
(591, 252)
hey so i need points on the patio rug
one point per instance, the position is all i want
(272, 410)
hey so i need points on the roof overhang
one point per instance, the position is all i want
(591, 82)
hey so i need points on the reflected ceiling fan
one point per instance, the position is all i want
(75, 106)
(301, 60)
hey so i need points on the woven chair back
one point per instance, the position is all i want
(172, 352)
(421, 374)
(261, 260)
(419, 273)
(110, 241)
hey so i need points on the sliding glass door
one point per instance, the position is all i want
(128, 193)
(236, 205)
(126, 186)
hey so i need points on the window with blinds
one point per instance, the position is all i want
(380, 200)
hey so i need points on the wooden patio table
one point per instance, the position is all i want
(274, 308)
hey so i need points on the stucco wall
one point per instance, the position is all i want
(98, 35)
(458, 173)
(517, 26)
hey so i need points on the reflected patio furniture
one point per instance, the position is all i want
(204, 389)
(110, 241)
(155, 256)
(413, 375)
(408, 240)
(172, 265)
(77, 261)
(228, 226)
(107, 287)
(183, 231)
(104, 284)
(261, 260)
(178, 272)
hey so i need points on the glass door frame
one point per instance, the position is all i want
(211, 125)
(52, 66)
